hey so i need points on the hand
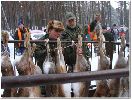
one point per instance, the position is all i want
(79, 51)
(46, 40)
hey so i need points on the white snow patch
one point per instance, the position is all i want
(36, 34)
(67, 89)
(76, 88)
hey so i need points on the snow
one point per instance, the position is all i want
(36, 34)
(93, 60)
(67, 89)
(76, 88)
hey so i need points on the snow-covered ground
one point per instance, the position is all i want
(36, 34)
(93, 60)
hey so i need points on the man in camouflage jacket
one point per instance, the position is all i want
(72, 30)
(54, 30)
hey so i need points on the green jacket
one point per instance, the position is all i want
(86, 37)
(109, 37)
(68, 35)
(71, 33)
(93, 25)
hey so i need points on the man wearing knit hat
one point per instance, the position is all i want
(72, 30)
(19, 35)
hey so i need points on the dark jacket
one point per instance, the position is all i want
(93, 25)
(86, 37)
(68, 35)
(41, 53)
(109, 37)
(71, 33)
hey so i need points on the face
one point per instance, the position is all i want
(54, 33)
(21, 26)
(98, 17)
(6, 39)
(71, 23)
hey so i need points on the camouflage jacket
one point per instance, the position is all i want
(41, 53)
(68, 35)
(109, 37)
(71, 33)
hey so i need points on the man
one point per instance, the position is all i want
(86, 37)
(94, 23)
(54, 29)
(72, 30)
(19, 35)
(115, 32)
(109, 47)
(94, 29)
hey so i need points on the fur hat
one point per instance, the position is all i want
(55, 24)
(4, 35)
(70, 15)
(97, 14)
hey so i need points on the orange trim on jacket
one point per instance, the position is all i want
(93, 35)
(19, 36)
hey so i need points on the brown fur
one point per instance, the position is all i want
(121, 63)
(7, 70)
(29, 92)
(60, 67)
(124, 84)
(61, 91)
(104, 63)
(6, 67)
(81, 66)
(52, 90)
(27, 67)
(114, 87)
(84, 91)
(102, 89)
(124, 87)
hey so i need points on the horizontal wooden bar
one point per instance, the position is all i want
(46, 79)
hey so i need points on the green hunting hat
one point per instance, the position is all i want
(70, 15)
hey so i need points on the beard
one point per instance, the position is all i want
(73, 26)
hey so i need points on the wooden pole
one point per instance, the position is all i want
(46, 79)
